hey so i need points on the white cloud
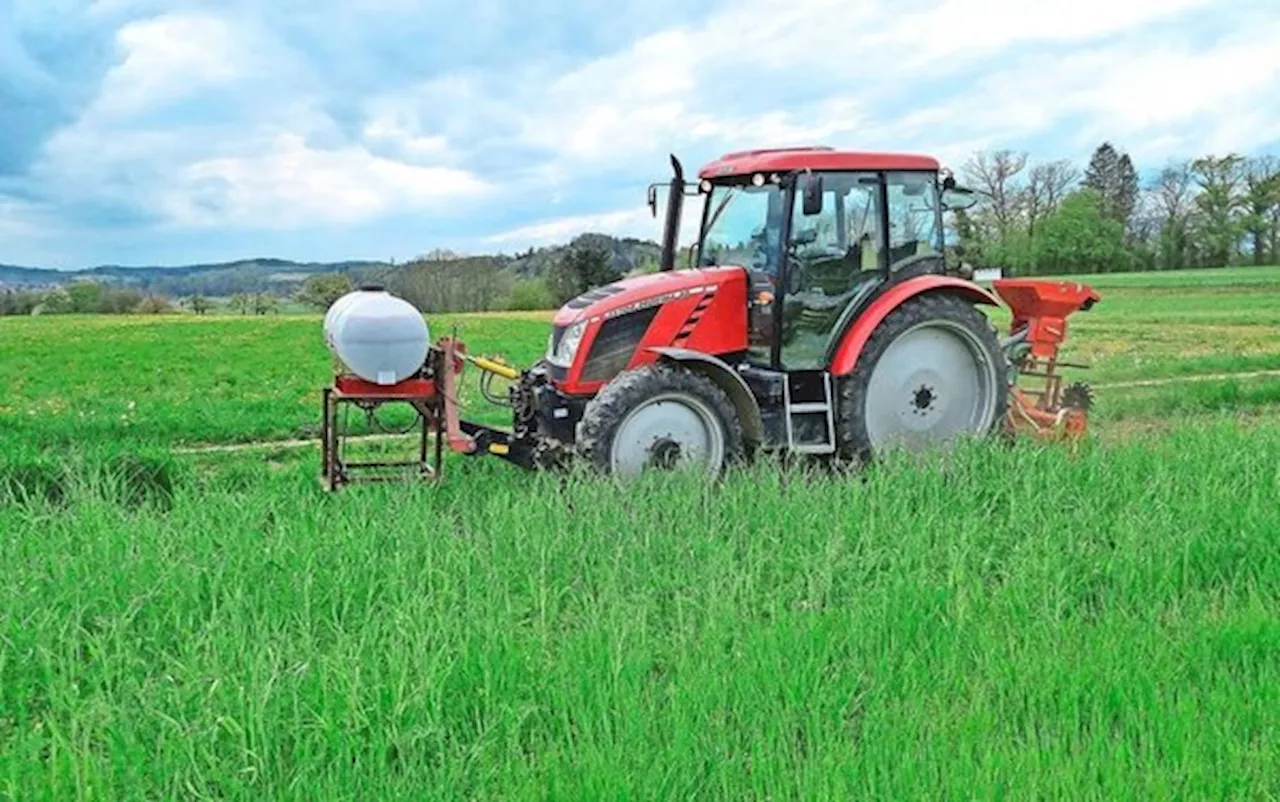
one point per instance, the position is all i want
(677, 88)
(16, 218)
(255, 159)
(965, 28)
(625, 222)
(393, 130)
(169, 57)
(1156, 99)
(230, 115)
(290, 184)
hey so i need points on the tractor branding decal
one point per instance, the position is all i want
(658, 300)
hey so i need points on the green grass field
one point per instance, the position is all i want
(1022, 622)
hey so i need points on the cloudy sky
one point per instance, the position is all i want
(149, 132)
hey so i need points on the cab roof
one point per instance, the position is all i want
(747, 162)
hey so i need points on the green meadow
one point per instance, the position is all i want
(1018, 622)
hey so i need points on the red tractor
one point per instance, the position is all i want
(821, 315)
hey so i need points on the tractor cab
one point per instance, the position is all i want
(820, 233)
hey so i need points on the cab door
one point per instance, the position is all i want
(834, 257)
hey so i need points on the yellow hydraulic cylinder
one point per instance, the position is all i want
(505, 371)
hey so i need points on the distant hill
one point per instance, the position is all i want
(282, 277)
(248, 275)
(628, 254)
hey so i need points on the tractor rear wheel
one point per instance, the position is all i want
(931, 372)
(659, 417)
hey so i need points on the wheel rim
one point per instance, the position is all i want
(667, 431)
(935, 383)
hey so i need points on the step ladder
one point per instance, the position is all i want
(807, 400)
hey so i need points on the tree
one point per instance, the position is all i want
(86, 296)
(440, 255)
(1125, 200)
(261, 303)
(585, 265)
(1112, 176)
(1173, 197)
(17, 302)
(1220, 204)
(1262, 206)
(154, 305)
(119, 301)
(529, 294)
(1047, 185)
(470, 284)
(322, 289)
(241, 302)
(994, 175)
(1079, 238)
(55, 302)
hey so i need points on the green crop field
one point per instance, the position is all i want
(1000, 622)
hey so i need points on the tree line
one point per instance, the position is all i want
(443, 281)
(95, 297)
(1051, 217)
(83, 297)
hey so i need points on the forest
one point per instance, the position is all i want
(1052, 217)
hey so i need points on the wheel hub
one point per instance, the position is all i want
(666, 431)
(664, 453)
(922, 399)
(934, 383)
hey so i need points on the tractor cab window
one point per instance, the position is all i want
(835, 256)
(913, 217)
(743, 227)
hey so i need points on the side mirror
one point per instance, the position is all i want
(811, 190)
(958, 198)
(653, 199)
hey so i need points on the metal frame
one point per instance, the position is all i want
(337, 472)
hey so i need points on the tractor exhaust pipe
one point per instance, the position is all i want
(675, 202)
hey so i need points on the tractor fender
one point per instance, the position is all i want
(856, 336)
(744, 401)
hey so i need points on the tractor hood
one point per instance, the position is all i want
(652, 289)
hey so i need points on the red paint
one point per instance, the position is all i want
(781, 161)
(708, 314)
(407, 389)
(639, 289)
(856, 337)
(1043, 307)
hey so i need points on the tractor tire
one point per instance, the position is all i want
(955, 384)
(658, 416)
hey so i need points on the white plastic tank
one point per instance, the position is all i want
(377, 336)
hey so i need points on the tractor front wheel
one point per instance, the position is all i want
(930, 373)
(659, 417)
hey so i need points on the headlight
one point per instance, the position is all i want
(568, 348)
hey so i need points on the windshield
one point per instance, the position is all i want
(913, 215)
(743, 223)
(743, 226)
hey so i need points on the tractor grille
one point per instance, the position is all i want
(615, 343)
(598, 294)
